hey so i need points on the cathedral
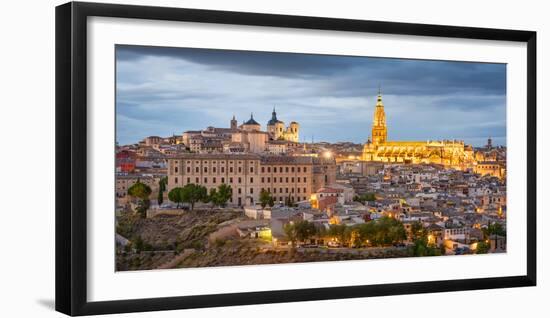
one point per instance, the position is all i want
(278, 131)
(451, 153)
(246, 138)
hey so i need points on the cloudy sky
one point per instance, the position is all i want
(165, 91)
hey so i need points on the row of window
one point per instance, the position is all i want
(298, 179)
(239, 180)
(489, 167)
(286, 169)
(281, 199)
(239, 169)
(281, 190)
(214, 162)
(286, 190)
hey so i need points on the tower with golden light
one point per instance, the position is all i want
(452, 153)
(379, 128)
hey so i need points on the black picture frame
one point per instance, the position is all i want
(71, 157)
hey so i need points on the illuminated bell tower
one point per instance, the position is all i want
(379, 128)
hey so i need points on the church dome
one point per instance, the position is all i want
(251, 121)
(273, 122)
(273, 119)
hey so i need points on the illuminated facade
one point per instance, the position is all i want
(452, 153)
(278, 131)
(246, 138)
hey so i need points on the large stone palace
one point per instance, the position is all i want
(292, 177)
(450, 153)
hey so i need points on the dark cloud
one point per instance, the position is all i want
(352, 75)
(166, 89)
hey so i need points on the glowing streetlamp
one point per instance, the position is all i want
(327, 154)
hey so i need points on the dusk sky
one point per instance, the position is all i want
(165, 91)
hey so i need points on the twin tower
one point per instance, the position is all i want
(276, 129)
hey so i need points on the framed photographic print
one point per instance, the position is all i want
(210, 158)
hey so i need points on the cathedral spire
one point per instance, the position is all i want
(379, 128)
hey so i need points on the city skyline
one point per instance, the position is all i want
(165, 91)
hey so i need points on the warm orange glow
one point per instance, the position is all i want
(431, 239)
(327, 154)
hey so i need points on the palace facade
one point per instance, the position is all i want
(248, 174)
(451, 153)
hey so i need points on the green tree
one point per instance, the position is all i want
(139, 190)
(266, 199)
(365, 197)
(141, 193)
(418, 231)
(379, 232)
(339, 232)
(162, 187)
(160, 197)
(176, 195)
(482, 247)
(220, 196)
(138, 244)
(367, 232)
(290, 233)
(421, 247)
(162, 183)
(494, 229)
(304, 230)
(193, 193)
(289, 201)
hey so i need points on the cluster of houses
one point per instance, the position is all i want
(453, 206)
